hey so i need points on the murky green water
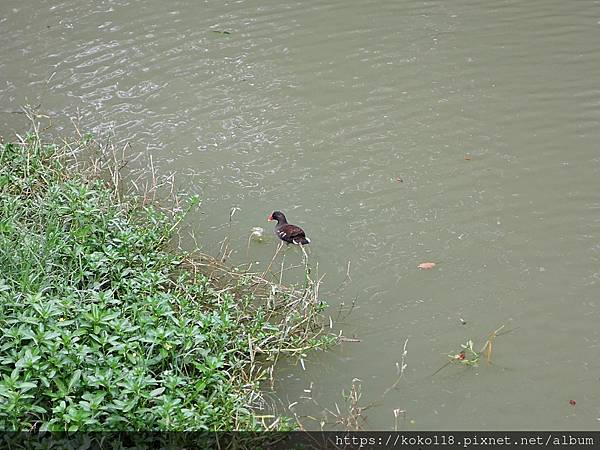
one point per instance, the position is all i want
(319, 109)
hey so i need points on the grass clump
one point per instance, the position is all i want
(103, 327)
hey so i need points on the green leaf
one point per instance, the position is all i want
(27, 386)
(37, 409)
(75, 379)
(157, 392)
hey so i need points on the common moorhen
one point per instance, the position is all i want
(287, 232)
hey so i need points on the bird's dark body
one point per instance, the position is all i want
(287, 232)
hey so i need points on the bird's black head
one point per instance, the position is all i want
(278, 216)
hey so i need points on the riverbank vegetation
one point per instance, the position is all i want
(104, 326)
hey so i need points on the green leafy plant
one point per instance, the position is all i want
(105, 327)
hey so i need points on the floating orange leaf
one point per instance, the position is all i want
(426, 265)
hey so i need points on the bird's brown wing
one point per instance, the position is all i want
(290, 232)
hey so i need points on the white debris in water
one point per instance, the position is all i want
(257, 233)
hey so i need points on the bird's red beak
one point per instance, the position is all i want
(270, 218)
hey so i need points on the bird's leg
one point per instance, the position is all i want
(304, 251)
